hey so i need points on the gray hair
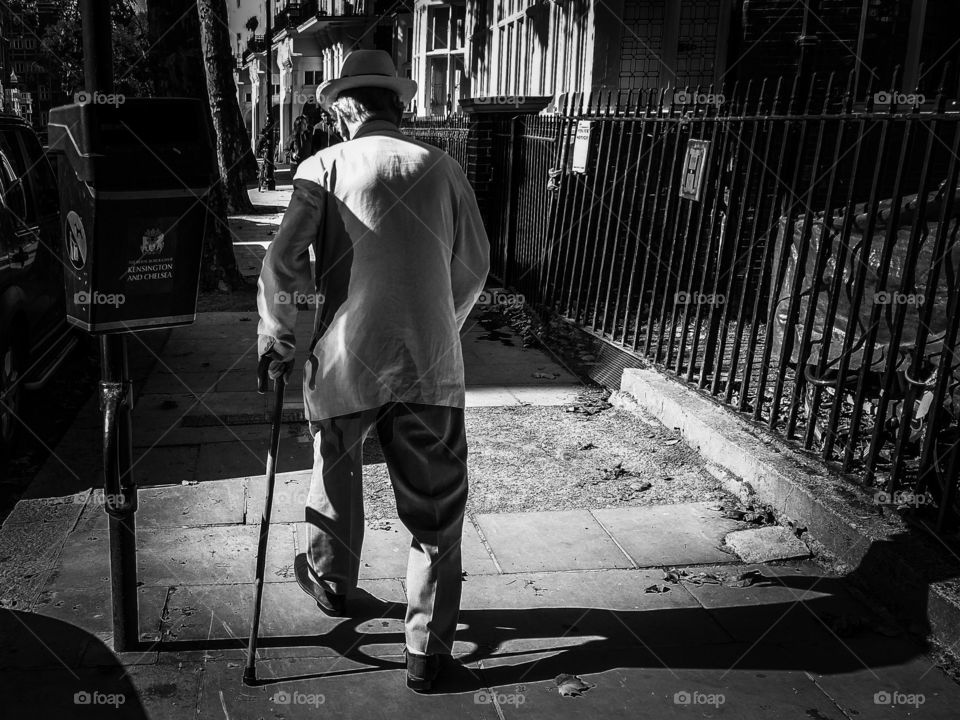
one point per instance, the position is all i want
(358, 105)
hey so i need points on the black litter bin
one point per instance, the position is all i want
(134, 175)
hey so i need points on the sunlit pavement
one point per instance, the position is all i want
(577, 592)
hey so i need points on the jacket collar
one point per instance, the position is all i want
(376, 127)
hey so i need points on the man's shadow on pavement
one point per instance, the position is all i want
(819, 627)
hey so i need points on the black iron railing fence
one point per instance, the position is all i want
(794, 256)
(449, 133)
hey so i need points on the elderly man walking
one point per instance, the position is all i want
(401, 258)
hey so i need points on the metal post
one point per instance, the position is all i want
(268, 49)
(120, 492)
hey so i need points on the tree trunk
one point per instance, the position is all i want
(174, 31)
(234, 155)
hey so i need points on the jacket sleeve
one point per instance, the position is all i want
(470, 262)
(286, 269)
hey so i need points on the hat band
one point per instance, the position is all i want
(344, 77)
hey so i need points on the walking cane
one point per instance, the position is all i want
(250, 671)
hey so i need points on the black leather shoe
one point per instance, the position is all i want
(332, 604)
(422, 671)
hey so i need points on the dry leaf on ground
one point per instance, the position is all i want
(571, 685)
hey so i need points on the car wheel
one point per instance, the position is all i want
(11, 368)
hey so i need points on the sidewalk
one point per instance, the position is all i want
(576, 510)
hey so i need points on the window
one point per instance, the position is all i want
(442, 62)
(511, 49)
(312, 77)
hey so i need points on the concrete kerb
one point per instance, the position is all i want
(891, 564)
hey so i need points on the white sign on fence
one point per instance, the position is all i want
(581, 147)
(694, 167)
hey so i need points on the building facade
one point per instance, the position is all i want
(504, 51)
(510, 49)
(310, 40)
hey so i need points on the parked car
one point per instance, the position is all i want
(34, 336)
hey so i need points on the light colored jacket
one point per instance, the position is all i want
(401, 258)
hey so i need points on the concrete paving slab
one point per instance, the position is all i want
(664, 535)
(529, 612)
(240, 458)
(47, 510)
(244, 381)
(167, 409)
(217, 554)
(89, 608)
(167, 692)
(764, 544)
(908, 688)
(184, 434)
(560, 540)
(101, 654)
(791, 604)
(200, 612)
(636, 684)
(289, 496)
(71, 467)
(362, 689)
(23, 574)
(195, 383)
(224, 405)
(207, 503)
(164, 465)
(385, 551)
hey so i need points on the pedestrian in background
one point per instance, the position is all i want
(299, 145)
(324, 133)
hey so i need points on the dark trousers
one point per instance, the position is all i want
(425, 449)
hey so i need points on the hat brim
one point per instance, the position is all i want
(328, 92)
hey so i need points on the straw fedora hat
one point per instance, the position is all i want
(366, 68)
